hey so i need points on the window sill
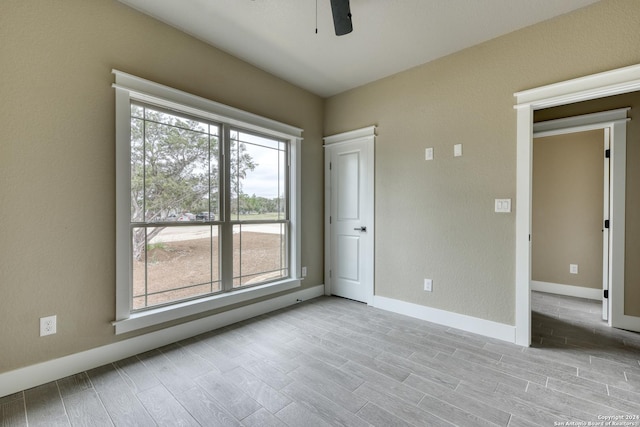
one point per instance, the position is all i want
(177, 311)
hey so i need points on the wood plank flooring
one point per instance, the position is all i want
(334, 362)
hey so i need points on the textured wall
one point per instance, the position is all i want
(567, 210)
(440, 213)
(57, 167)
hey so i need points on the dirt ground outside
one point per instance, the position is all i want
(184, 269)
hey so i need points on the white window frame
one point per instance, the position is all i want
(130, 88)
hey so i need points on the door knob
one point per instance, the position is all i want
(363, 228)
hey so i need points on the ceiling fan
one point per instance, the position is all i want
(341, 17)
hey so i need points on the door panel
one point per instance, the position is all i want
(348, 179)
(348, 198)
(350, 234)
(348, 267)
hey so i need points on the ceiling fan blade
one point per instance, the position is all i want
(341, 17)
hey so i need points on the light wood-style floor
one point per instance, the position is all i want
(334, 362)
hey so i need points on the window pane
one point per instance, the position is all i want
(259, 253)
(174, 263)
(174, 167)
(258, 177)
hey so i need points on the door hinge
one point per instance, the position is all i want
(606, 223)
(330, 165)
(329, 274)
(607, 153)
(606, 293)
(329, 220)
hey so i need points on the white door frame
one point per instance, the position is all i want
(615, 82)
(607, 260)
(359, 135)
(613, 123)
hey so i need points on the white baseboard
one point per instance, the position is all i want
(568, 290)
(466, 323)
(42, 373)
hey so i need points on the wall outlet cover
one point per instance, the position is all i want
(428, 285)
(48, 325)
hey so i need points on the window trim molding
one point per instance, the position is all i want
(154, 316)
(152, 92)
(128, 87)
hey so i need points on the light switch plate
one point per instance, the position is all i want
(428, 153)
(503, 205)
(457, 150)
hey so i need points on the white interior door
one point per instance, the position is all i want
(350, 176)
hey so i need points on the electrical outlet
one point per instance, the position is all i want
(48, 325)
(304, 271)
(573, 268)
(428, 285)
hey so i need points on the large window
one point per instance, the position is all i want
(207, 204)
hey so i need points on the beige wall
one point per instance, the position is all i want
(567, 210)
(632, 195)
(57, 167)
(435, 219)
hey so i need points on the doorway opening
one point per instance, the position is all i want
(597, 86)
(571, 246)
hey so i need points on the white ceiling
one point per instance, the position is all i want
(389, 36)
